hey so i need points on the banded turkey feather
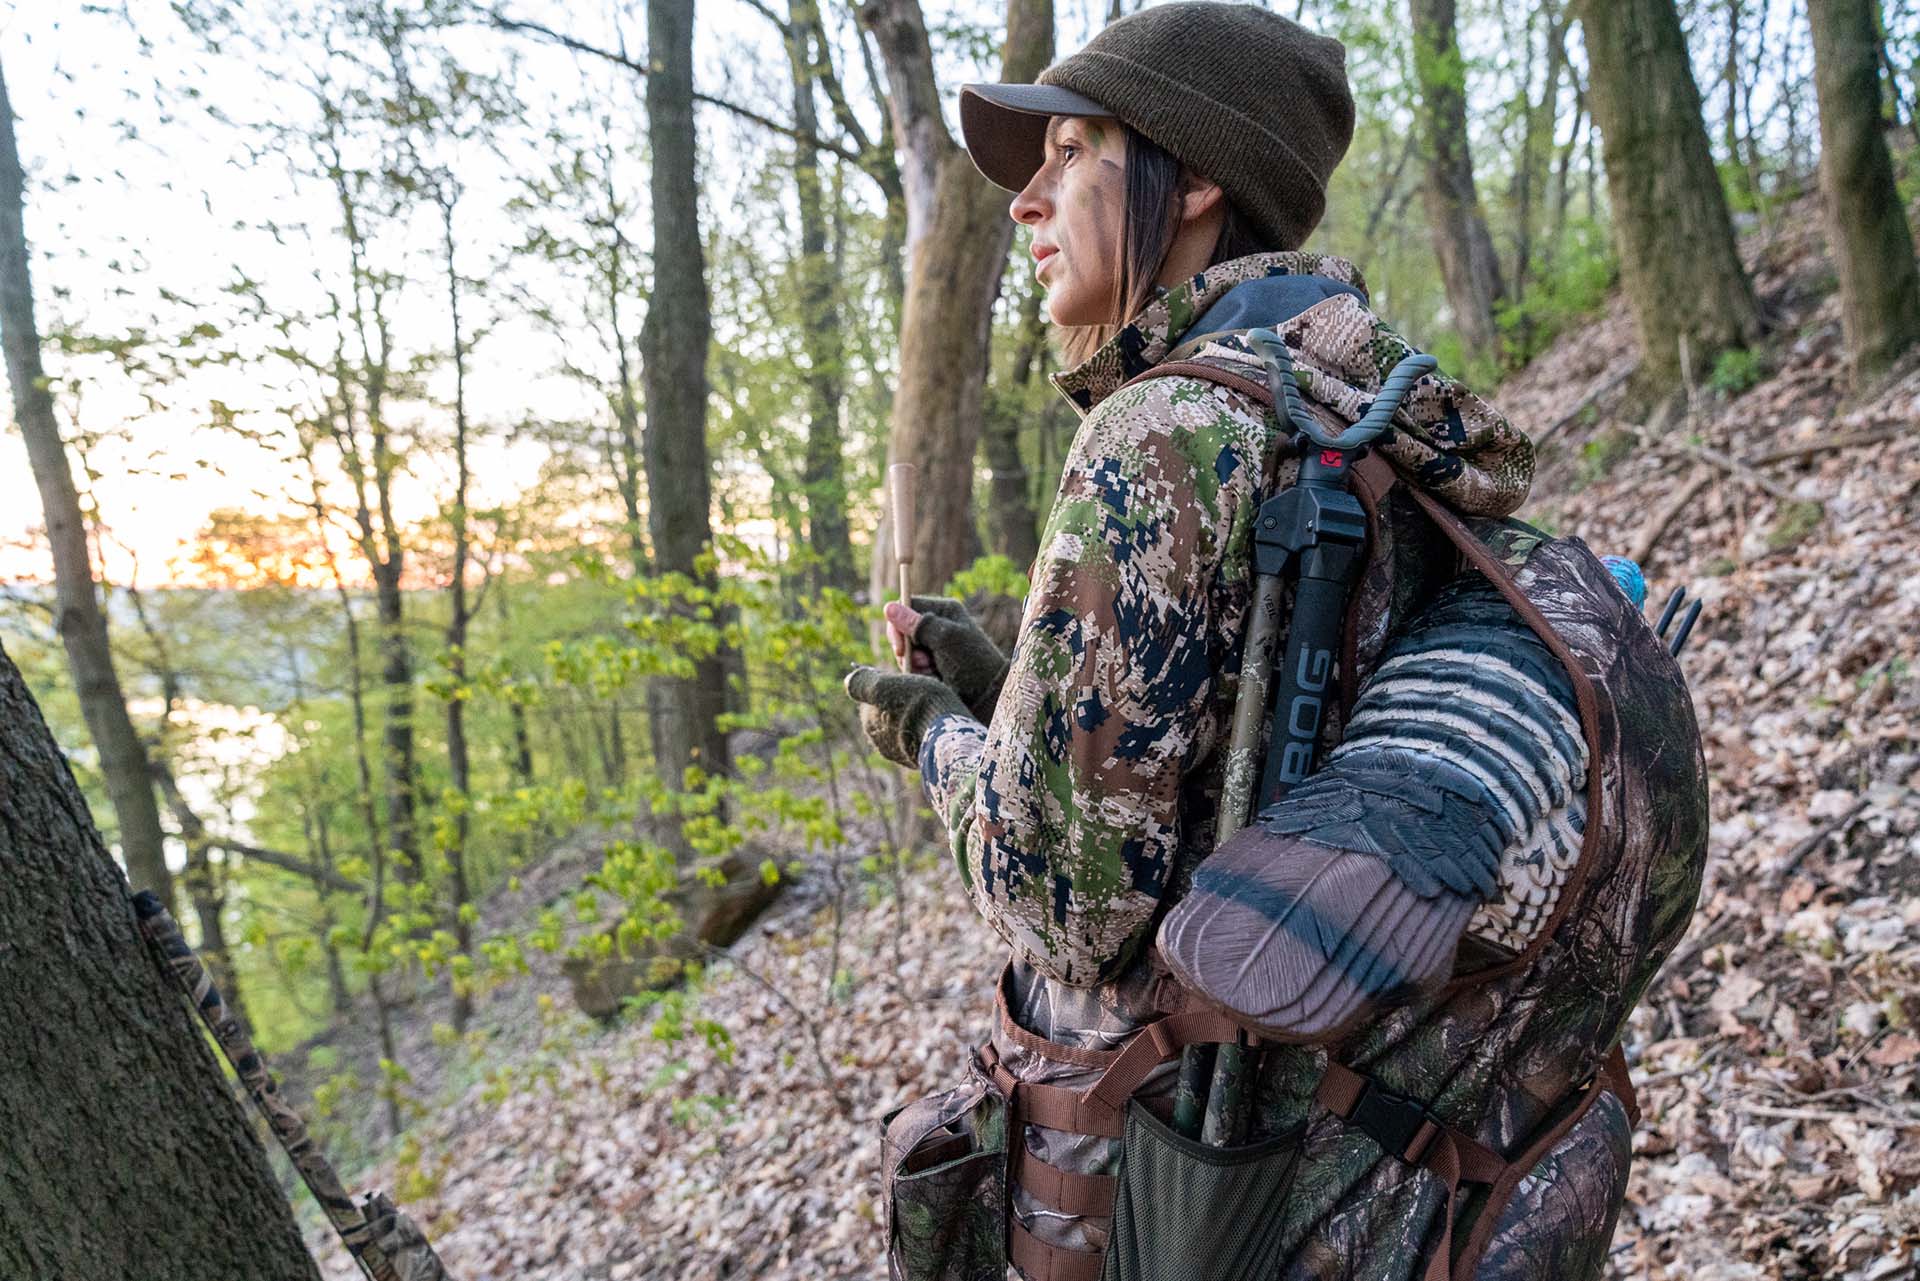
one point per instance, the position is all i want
(1459, 784)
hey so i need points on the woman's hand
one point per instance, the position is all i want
(948, 644)
(896, 711)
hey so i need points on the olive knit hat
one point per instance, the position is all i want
(1239, 94)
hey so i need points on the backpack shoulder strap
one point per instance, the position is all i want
(1208, 371)
(1374, 476)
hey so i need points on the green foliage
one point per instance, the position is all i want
(1735, 370)
(1602, 454)
(1793, 523)
(417, 1176)
(988, 576)
(1568, 289)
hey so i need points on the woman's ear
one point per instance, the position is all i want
(1199, 196)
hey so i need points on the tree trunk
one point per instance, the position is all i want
(1536, 160)
(1678, 260)
(313, 821)
(363, 776)
(1468, 264)
(459, 768)
(626, 408)
(396, 736)
(1563, 169)
(673, 342)
(128, 1157)
(958, 232)
(1872, 244)
(1730, 124)
(1013, 528)
(521, 757)
(81, 623)
(820, 333)
(379, 543)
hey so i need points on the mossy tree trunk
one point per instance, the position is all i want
(1678, 261)
(1468, 264)
(958, 233)
(128, 1158)
(673, 344)
(1872, 244)
(820, 326)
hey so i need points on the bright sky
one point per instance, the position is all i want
(149, 195)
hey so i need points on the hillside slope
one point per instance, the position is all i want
(1777, 1052)
(1777, 1055)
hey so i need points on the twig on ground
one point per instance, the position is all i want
(1845, 440)
(1735, 467)
(1879, 1119)
(1793, 857)
(1586, 402)
(1642, 550)
(1700, 1064)
(828, 1080)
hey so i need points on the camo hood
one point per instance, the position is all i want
(1449, 440)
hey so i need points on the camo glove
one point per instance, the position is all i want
(963, 655)
(896, 711)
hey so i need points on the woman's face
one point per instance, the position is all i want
(1076, 205)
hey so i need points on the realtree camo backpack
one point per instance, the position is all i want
(1480, 1130)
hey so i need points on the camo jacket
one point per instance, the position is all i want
(1081, 809)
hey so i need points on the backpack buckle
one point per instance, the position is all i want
(1399, 1124)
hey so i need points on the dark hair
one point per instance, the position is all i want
(1146, 237)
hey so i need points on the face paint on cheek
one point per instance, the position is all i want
(1101, 200)
(1100, 240)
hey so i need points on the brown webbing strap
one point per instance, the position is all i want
(1053, 1107)
(1099, 1110)
(1062, 1190)
(1043, 1262)
(1052, 1051)
(1152, 1045)
(1068, 1110)
(1451, 1156)
(1502, 1189)
(1245, 384)
(1620, 1080)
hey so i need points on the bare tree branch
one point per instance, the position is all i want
(638, 68)
(779, 23)
(287, 862)
(194, 832)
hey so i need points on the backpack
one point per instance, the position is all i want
(1511, 1068)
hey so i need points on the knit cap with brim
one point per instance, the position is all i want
(1239, 94)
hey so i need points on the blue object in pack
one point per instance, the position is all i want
(1628, 575)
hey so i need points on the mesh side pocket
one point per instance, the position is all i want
(1186, 1210)
(945, 1162)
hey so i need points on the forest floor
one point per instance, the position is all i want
(1776, 1055)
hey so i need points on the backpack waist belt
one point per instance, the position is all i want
(1403, 1128)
